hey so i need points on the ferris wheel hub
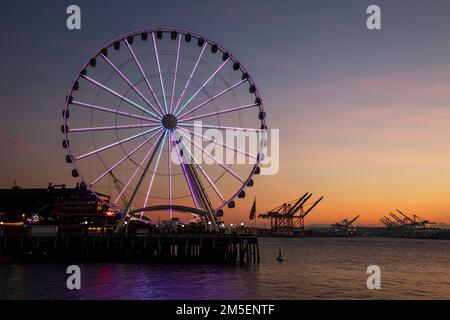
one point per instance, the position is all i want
(169, 121)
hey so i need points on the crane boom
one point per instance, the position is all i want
(406, 217)
(294, 211)
(298, 202)
(283, 219)
(387, 219)
(396, 218)
(353, 220)
(312, 207)
(388, 222)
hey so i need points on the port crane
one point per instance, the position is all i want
(404, 221)
(290, 216)
(345, 223)
(345, 227)
(421, 221)
(415, 221)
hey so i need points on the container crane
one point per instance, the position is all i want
(345, 226)
(345, 222)
(415, 221)
(405, 224)
(290, 216)
(300, 220)
(421, 221)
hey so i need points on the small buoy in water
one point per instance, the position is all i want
(280, 258)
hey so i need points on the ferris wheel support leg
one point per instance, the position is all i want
(203, 197)
(127, 209)
(199, 190)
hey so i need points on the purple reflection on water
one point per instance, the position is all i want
(316, 268)
(128, 281)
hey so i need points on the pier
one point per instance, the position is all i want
(204, 248)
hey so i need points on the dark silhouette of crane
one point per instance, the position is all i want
(404, 223)
(399, 221)
(345, 227)
(388, 222)
(345, 223)
(415, 221)
(290, 216)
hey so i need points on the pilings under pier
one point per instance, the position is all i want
(214, 248)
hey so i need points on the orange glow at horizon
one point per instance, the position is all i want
(368, 145)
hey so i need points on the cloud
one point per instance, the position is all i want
(18, 143)
(418, 86)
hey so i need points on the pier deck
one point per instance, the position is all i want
(217, 248)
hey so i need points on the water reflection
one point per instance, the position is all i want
(316, 268)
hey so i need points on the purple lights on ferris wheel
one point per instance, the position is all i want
(147, 82)
(211, 99)
(130, 84)
(175, 75)
(205, 174)
(201, 88)
(140, 166)
(125, 114)
(190, 76)
(163, 116)
(128, 155)
(159, 73)
(188, 179)
(134, 104)
(221, 112)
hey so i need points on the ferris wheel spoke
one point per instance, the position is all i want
(118, 95)
(139, 167)
(219, 194)
(194, 125)
(159, 72)
(190, 77)
(186, 176)
(116, 143)
(220, 144)
(126, 157)
(121, 113)
(175, 74)
(155, 169)
(129, 126)
(132, 86)
(202, 87)
(211, 99)
(136, 60)
(220, 163)
(215, 113)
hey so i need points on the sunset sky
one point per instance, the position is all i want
(364, 116)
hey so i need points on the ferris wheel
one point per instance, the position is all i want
(133, 109)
